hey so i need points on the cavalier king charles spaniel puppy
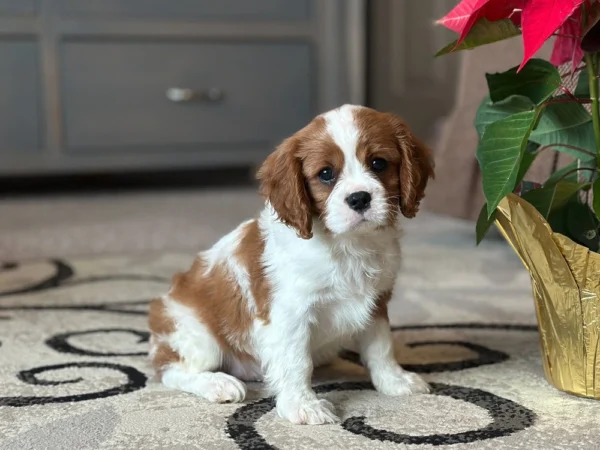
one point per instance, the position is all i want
(284, 292)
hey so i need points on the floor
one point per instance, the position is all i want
(114, 221)
(126, 221)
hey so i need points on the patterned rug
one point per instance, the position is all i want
(74, 375)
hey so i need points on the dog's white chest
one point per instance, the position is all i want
(362, 271)
(334, 283)
(350, 291)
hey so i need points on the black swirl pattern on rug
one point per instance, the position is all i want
(60, 342)
(485, 356)
(63, 276)
(135, 380)
(507, 417)
(124, 307)
(62, 272)
(468, 326)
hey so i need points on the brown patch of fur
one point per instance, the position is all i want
(158, 320)
(381, 309)
(411, 164)
(161, 324)
(163, 357)
(218, 302)
(249, 253)
(282, 183)
(289, 176)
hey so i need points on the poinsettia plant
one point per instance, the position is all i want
(535, 107)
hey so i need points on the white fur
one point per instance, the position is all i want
(323, 291)
(189, 331)
(377, 354)
(217, 387)
(355, 177)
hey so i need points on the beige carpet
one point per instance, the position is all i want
(75, 281)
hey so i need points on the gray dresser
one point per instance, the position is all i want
(108, 85)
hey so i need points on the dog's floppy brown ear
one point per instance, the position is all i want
(282, 184)
(416, 168)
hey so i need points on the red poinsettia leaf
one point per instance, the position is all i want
(502, 9)
(468, 12)
(567, 45)
(458, 19)
(540, 19)
(566, 50)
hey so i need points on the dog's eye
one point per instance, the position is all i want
(326, 175)
(379, 165)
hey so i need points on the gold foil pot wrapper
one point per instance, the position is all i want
(565, 279)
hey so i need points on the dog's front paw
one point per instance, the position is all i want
(223, 388)
(399, 382)
(307, 411)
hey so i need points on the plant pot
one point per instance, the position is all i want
(565, 279)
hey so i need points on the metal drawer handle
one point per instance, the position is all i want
(179, 95)
(183, 95)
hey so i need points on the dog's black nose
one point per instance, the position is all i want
(359, 201)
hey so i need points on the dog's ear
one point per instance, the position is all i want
(282, 183)
(416, 168)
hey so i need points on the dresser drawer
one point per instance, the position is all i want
(17, 7)
(189, 9)
(136, 96)
(19, 97)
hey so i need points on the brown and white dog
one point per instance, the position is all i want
(281, 294)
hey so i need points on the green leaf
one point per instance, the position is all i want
(596, 202)
(537, 81)
(483, 32)
(485, 220)
(581, 137)
(490, 112)
(585, 175)
(558, 220)
(573, 177)
(527, 160)
(559, 116)
(565, 123)
(577, 221)
(552, 197)
(500, 153)
(582, 225)
(484, 223)
(583, 85)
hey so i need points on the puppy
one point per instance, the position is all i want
(282, 293)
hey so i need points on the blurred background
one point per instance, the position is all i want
(139, 123)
